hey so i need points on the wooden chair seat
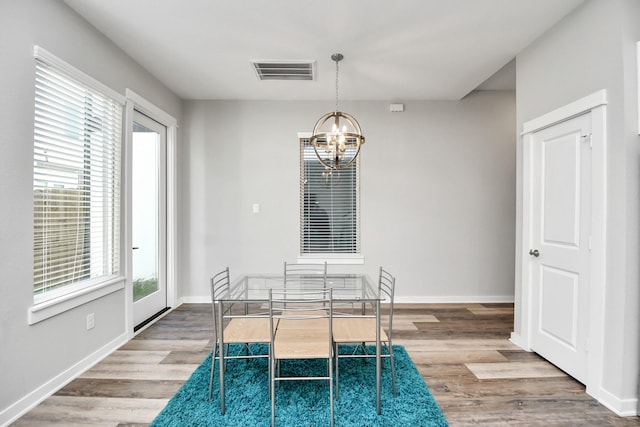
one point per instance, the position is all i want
(308, 343)
(247, 330)
(356, 330)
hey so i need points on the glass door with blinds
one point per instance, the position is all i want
(329, 206)
(148, 194)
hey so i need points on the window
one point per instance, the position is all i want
(76, 180)
(329, 206)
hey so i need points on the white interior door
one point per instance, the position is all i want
(148, 224)
(559, 256)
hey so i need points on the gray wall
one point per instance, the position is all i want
(592, 49)
(33, 355)
(437, 192)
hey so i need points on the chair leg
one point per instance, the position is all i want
(272, 387)
(393, 369)
(330, 369)
(225, 353)
(214, 352)
(335, 351)
(213, 365)
(270, 367)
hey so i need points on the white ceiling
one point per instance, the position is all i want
(394, 50)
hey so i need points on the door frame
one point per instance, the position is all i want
(138, 103)
(596, 105)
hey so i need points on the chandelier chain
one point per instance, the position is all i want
(337, 72)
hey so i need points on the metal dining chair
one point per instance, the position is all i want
(242, 328)
(301, 328)
(359, 329)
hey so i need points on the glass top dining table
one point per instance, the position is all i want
(347, 288)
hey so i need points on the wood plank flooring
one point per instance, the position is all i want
(462, 351)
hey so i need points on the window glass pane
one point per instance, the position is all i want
(76, 184)
(329, 206)
(145, 160)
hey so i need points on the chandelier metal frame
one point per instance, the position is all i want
(331, 146)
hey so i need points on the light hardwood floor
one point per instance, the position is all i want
(462, 351)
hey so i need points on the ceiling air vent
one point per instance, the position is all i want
(284, 70)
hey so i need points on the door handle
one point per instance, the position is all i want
(534, 252)
(135, 247)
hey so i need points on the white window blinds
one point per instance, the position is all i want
(329, 206)
(76, 181)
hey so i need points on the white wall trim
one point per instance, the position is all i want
(453, 299)
(599, 203)
(146, 107)
(31, 400)
(54, 306)
(527, 196)
(566, 112)
(517, 340)
(126, 257)
(456, 299)
(621, 407)
(332, 259)
(596, 105)
(638, 82)
(47, 57)
(198, 299)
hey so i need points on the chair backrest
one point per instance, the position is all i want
(387, 286)
(305, 273)
(219, 284)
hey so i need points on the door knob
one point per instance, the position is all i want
(534, 252)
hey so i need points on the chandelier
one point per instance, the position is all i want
(337, 137)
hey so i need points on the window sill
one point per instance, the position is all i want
(346, 259)
(54, 306)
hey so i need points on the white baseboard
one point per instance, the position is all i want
(195, 300)
(31, 400)
(454, 299)
(621, 407)
(398, 299)
(517, 340)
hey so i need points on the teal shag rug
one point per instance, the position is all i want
(304, 403)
